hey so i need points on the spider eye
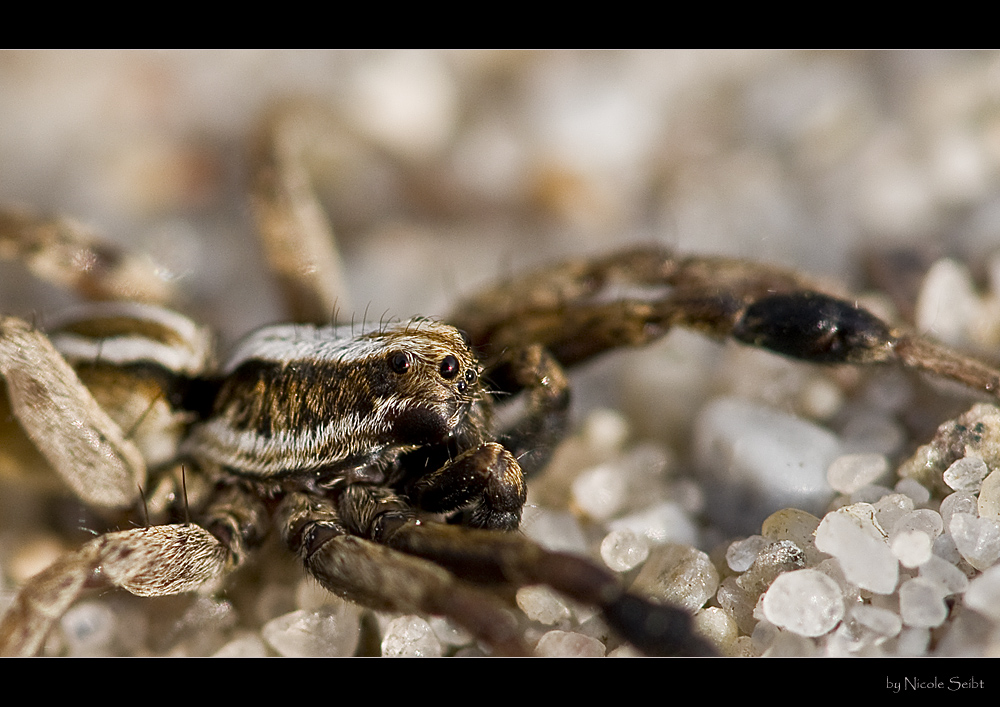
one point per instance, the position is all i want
(470, 376)
(399, 362)
(449, 367)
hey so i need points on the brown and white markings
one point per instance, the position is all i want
(375, 451)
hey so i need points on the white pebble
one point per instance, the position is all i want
(978, 539)
(966, 474)
(944, 547)
(915, 490)
(565, 644)
(541, 604)
(717, 625)
(923, 520)
(946, 575)
(630, 480)
(742, 553)
(983, 594)
(664, 522)
(913, 641)
(891, 507)
(854, 537)
(605, 430)
(448, 633)
(805, 602)
(989, 497)
(410, 637)
(89, 629)
(921, 603)
(600, 492)
(248, 645)
(559, 531)
(850, 472)
(958, 502)
(759, 460)
(623, 550)
(878, 620)
(947, 306)
(872, 493)
(912, 548)
(678, 575)
(327, 631)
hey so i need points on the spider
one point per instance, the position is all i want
(375, 451)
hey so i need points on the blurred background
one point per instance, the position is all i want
(470, 164)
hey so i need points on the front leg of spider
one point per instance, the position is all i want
(487, 483)
(482, 488)
(511, 559)
(341, 543)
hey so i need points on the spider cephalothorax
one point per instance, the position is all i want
(300, 398)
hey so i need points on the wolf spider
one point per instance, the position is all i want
(373, 450)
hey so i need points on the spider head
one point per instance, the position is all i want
(433, 377)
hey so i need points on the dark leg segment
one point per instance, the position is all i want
(481, 556)
(533, 436)
(485, 483)
(510, 558)
(580, 309)
(364, 571)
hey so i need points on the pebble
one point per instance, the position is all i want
(566, 644)
(878, 620)
(921, 603)
(323, 632)
(805, 602)
(977, 539)
(850, 472)
(983, 594)
(759, 460)
(912, 548)
(623, 550)
(664, 522)
(541, 604)
(742, 553)
(410, 637)
(966, 474)
(989, 497)
(853, 536)
(679, 575)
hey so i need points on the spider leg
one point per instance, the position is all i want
(485, 483)
(154, 561)
(512, 559)
(363, 570)
(533, 435)
(65, 253)
(81, 442)
(480, 556)
(293, 228)
(557, 307)
(581, 309)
